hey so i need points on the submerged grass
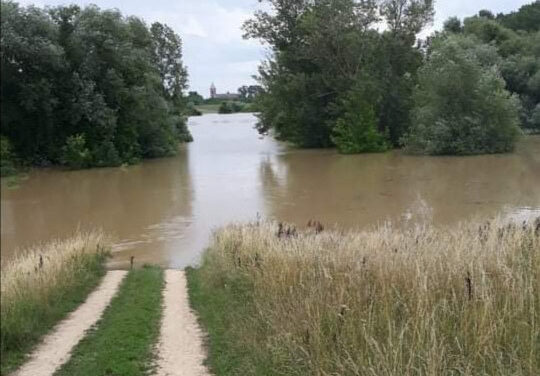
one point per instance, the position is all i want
(426, 301)
(122, 341)
(41, 286)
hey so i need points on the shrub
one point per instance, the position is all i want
(356, 130)
(461, 104)
(7, 164)
(75, 154)
(105, 154)
(224, 108)
(191, 110)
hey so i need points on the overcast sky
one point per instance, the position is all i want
(214, 50)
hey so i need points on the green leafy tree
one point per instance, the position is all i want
(527, 18)
(194, 98)
(321, 48)
(75, 154)
(356, 130)
(519, 46)
(461, 104)
(89, 75)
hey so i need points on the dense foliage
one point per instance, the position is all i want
(86, 87)
(517, 39)
(229, 107)
(324, 50)
(356, 129)
(461, 105)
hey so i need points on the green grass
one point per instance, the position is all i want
(208, 108)
(34, 299)
(214, 108)
(121, 343)
(222, 312)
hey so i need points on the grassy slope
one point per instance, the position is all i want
(208, 108)
(222, 313)
(386, 302)
(213, 108)
(30, 313)
(122, 341)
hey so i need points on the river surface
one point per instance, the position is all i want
(163, 211)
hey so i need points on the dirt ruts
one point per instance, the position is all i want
(56, 347)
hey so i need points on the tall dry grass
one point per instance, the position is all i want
(428, 301)
(41, 285)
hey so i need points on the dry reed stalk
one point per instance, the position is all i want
(387, 301)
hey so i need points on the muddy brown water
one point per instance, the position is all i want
(163, 211)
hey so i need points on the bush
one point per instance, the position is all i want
(224, 108)
(356, 130)
(75, 154)
(7, 164)
(192, 110)
(535, 119)
(230, 107)
(105, 154)
(461, 104)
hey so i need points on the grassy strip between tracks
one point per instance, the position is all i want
(122, 342)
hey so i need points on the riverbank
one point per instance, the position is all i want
(63, 314)
(228, 108)
(277, 300)
(41, 286)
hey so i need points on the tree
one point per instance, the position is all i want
(453, 25)
(321, 49)
(399, 60)
(461, 104)
(86, 87)
(249, 93)
(527, 18)
(356, 130)
(520, 52)
(195, 98)
(486, 14)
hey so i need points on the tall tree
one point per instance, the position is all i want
(461, 104)
(324, 48)
(83, 87)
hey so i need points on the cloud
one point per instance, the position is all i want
(194, 28)
(214, 50)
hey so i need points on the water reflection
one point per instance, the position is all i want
(163, 211)
(147, 208)
(361, 190)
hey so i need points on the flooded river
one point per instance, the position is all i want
(163, 211)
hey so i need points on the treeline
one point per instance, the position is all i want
(87, 87)
(337, 78)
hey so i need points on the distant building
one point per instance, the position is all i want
(228, 96)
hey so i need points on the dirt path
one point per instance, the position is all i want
(56, 347)
(180, 350)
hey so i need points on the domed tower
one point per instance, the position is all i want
(212, 90)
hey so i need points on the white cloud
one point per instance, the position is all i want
(193, 27)
(214, 49)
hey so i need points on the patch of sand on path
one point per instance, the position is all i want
(180, 349)
(56, 347)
